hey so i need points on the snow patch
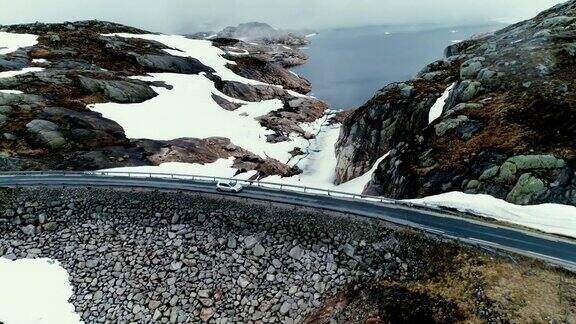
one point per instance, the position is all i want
(9, 74)
(551, 218)
(188, 110)
(221, 168)
(35, 291)
(11, 42)
(11, 91)
(40, 61)
(438, 107)
(202, 50)
(319, 166)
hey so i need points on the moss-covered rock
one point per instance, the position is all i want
(527, 190)
(532, 162)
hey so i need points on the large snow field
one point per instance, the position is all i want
(11, 42)
(202, 50)
(551, 218)
(35, 291)
(188, 110)
(318, 166)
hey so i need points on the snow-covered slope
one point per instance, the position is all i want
(11, 42)
(189, 110)
(551, 218)
(35, 291)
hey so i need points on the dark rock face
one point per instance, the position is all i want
(257, 69)
(507, 128)
(118, 90)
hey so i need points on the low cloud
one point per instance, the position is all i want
(177, 16)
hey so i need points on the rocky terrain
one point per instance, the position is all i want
(507, 128)
(169, 257)
(45, 122)
(279, 46)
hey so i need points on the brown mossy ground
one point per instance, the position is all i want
(454, 284)
(514, 125)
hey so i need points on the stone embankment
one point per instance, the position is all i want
(171, 257)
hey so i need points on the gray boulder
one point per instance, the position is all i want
(8, 163)
(468, 90)
(470, 68)
(47, 133)
(132, 91)
(172, 64)
(533, 162)
(449, 124)
(7, 99)
(486, 74)
(12, 63)
(527, 190)
(507, 173)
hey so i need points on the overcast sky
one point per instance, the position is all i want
(179, 16)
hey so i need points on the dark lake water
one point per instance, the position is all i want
(347, 66)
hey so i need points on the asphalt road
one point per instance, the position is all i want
(549, 248)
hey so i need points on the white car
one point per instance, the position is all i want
(229, 186)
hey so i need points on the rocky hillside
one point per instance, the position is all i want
(46, 122)
(507, 128)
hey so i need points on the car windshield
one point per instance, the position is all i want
(232, 183)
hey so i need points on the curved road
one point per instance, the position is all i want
(552, 249)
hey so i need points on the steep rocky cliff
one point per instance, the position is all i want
(507, 129)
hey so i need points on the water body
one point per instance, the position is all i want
(347, 66)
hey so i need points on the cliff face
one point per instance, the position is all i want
(507, 129)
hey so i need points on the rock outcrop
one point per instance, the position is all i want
(507, 128)
(45, 122)
(172, 257)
